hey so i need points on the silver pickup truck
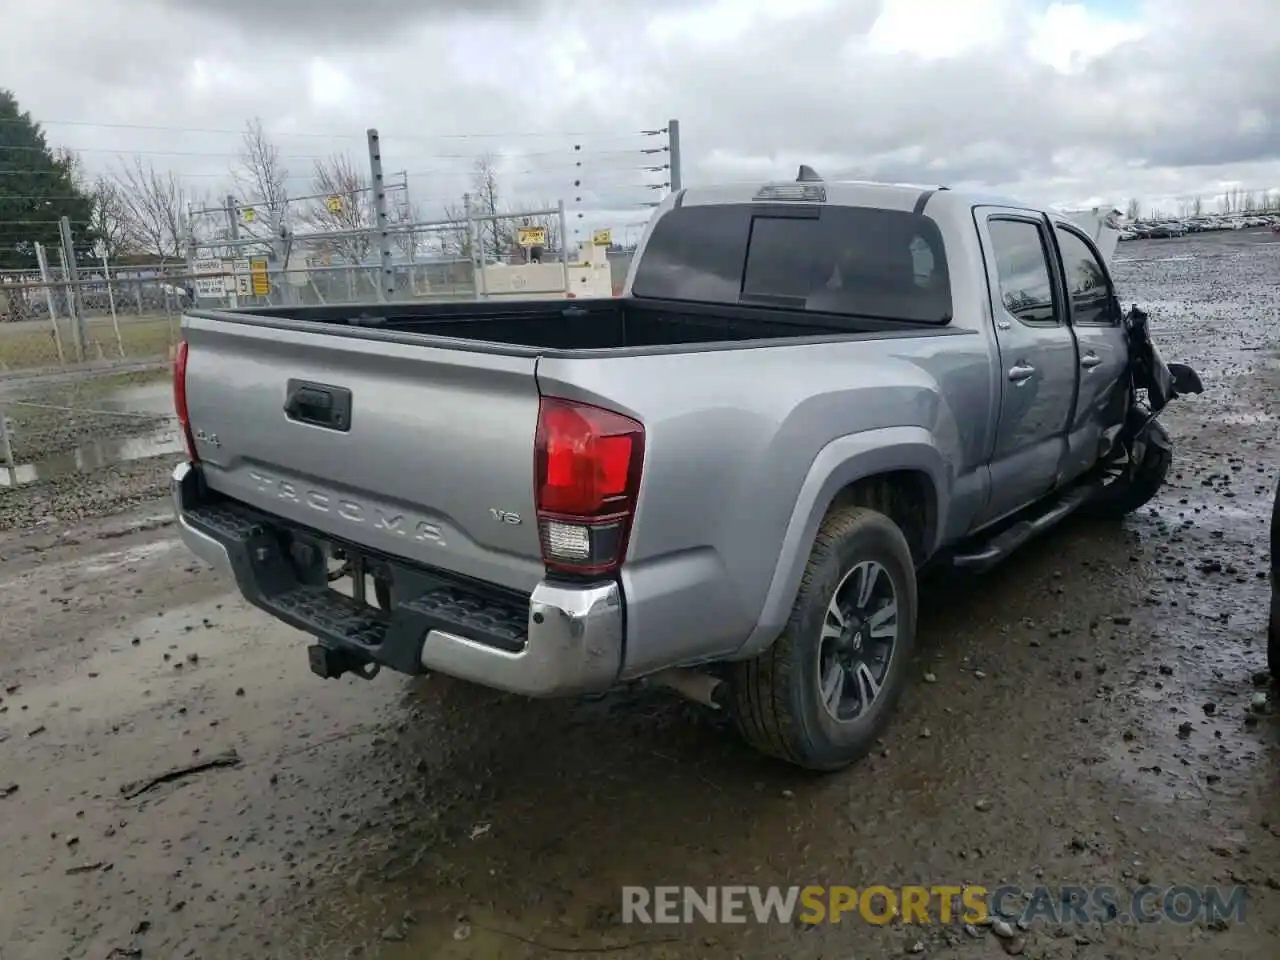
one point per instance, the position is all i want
(725, 479)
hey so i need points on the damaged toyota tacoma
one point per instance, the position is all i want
(725, 479)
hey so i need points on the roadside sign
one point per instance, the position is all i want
(243, 283)
(209, 280)
(333, 204)
(531, 236)
(258, 273)
(602, 238)
(250, 214)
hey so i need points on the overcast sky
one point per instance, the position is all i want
(1057, 102)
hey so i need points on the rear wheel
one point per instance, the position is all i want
(823, 692)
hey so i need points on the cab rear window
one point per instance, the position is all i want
(857, 261)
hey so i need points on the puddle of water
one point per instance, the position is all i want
(154, 398)
(93, 456)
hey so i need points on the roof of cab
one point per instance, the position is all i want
(854, 193)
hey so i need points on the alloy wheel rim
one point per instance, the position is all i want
(859, 635)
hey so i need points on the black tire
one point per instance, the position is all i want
(776, 699)
(1123, 496)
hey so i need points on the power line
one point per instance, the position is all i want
(472, 158)
(164, 128)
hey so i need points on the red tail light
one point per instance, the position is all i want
(587, 463)
(180, 400)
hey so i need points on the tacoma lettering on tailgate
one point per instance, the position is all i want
(349, 510)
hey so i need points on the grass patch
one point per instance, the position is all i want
(30, 344)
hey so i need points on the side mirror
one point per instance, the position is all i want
(1185, 380)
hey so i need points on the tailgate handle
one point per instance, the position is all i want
(318, 404)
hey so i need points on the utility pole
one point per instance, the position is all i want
(233, 234)
(189, 252)
(386, 273)
(474, 238)
(406, 216)
(233, 222)
(281, 247)
(673, 148)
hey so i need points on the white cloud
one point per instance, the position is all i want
(328, 86)
(935, 29)
(1068, 35)
(1065, 101)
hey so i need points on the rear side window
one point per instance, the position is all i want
(857, 261)
(1025, 285)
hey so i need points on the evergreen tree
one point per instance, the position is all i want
(37, 186)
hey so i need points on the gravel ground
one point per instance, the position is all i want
(1084, 715)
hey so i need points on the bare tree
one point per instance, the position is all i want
(486, 199)
(1184, 208)
(346, 204)
(1197, 207)
(1135, 209)
(496, 237)
(261, 179)
(152, 207)
(1234, 200)
(110, 222)
(406, 241)
(455, 240)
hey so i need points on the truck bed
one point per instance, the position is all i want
(598, 324)
(407, 428)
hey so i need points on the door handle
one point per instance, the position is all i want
(1021, 372)
(1090, 360)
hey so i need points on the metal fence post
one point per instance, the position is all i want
(386, 274)
(673, 144)
(281, 248)
(476, 254)
(111, 299)
(6, 447)
(73, 290)
(233, 234)
(564, 245)
(188, 240)
(43, 262)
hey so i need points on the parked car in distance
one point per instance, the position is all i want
(724, 480)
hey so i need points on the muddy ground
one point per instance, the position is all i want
(1082, 715)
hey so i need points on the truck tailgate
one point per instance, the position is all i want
(433, 463)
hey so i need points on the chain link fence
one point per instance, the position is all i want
(85, 354)
(59, 324)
